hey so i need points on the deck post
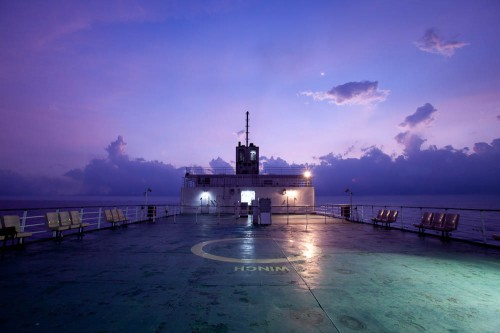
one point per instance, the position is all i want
(286, 210)
(307, 220)
(23, 220)
(99, 218)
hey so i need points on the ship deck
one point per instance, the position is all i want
(205, 274)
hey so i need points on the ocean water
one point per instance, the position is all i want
(31, 202)
(476, 225)
(466, 201)
(429, 201)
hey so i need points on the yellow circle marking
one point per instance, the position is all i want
(198, 250)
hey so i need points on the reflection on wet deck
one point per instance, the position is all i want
(225, 275)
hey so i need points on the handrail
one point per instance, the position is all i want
(33, 219)
(200, 171)
(476, 225)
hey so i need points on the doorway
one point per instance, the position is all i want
(247, 196)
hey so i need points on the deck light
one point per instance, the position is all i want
(205, 195)
(307, 174)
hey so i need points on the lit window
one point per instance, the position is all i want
(253, 155)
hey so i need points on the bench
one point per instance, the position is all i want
(11, 229)
(445, 223)
(386, 216)
(65, 220)
(72, 220)
(54, 224)
(382, 214)
(121, 217)
(115, 216)
(76, 221)
(6, 234)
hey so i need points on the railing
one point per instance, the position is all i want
(292, 170)
(191, 181)
(475, 225)
(33, 220)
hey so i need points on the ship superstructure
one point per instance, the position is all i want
(224, 190)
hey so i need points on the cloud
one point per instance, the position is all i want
(27, 26)
(411, 142)
(433, 43)
(61, 19)
(423, 114)
(485, 148)
(220, 166)
(351, 93)
(431, 171)
(240, 134)
(482, 148)
(116, 149)
(118, 174)
(15, 184)
(279, 165)
(348, 151)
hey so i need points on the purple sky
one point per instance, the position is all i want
(174, 79)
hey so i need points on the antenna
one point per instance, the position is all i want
(247, 130)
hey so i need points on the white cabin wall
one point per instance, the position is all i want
(229, 198)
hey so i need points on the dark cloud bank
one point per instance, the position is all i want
(417, 171)
(431, 171)
(117, 174)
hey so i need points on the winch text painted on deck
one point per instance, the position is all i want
(261, 269)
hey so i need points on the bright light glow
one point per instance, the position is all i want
(307, 174)
(205, 195)
(291, 193)
(309, 251)
(247, 196)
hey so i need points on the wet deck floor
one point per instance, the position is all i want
(338, 277)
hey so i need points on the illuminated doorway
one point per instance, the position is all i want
(247, 196)
(205, 203)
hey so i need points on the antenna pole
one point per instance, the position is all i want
(247, 130)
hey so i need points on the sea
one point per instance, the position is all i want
(468, 201)
(479, 214)
(36, 202)
(460, 201)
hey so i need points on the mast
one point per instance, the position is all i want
(247, 131)
(247, 155)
